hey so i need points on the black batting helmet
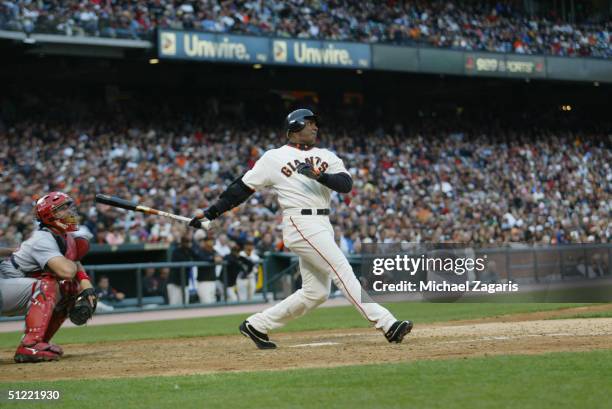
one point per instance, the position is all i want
(296, 121)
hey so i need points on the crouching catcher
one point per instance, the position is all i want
(45, 280)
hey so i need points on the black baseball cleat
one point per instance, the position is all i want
(261, 340)
(398, 331)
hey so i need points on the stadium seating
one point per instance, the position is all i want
(487, 26)
(431, 185)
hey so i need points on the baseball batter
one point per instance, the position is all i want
(303, 177)
(45, 280)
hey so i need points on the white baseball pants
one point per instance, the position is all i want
(246, 287)
(206, 292)
(174, 294)
(321, 261)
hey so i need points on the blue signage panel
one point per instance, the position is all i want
(212, 47)
(244, 49)
(219, 47)
(321, 53)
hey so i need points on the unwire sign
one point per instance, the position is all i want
(245, 49)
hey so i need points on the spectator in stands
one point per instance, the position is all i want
(176, 291)
(114, 237)
(266, 244)
(477, 26)
(461, 181)
(222, 246)
(106, 293)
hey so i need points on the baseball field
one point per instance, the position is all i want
(458, 356)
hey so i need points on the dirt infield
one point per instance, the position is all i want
(514, 334)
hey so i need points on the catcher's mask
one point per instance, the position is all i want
(58, 212)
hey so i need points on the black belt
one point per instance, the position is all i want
(320, 212)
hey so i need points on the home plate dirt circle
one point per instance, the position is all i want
(186, 356)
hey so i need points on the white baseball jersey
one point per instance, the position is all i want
(276, 169)
(33, 255)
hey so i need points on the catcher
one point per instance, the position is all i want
(45, 280)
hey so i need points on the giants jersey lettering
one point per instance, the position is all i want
(315, 161)
(276, 169)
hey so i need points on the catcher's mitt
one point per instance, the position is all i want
(83, 308)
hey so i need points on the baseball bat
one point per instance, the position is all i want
(124, 204)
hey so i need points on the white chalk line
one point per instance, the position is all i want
(314, 345)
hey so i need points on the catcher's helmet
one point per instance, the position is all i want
(57, 211)
(296, 121)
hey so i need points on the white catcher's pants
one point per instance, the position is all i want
(321, 261)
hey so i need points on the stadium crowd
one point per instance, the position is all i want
(425, 185)
(486, 25)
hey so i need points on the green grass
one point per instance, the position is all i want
(598, 314)
(555, 380)
(323, 318)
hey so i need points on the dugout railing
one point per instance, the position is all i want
(138, 270)
(140, 302)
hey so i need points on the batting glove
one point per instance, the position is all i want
(308, 170)
(201, 220)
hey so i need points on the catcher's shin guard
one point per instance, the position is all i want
(57, 319)
(32, 347)
(69, 290)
